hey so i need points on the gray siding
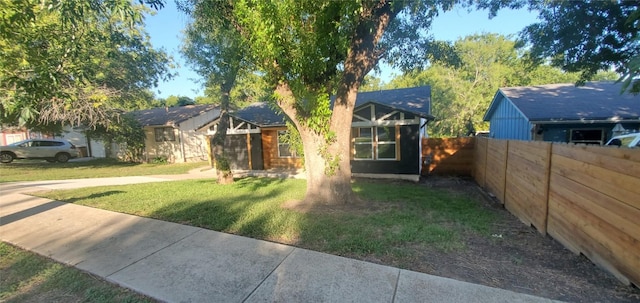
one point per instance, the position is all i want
(508, 123)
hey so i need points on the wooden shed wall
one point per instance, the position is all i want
(270, 152)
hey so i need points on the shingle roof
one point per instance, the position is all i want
(593, 101)
(260, 114)
(170, 116)
(414, 100)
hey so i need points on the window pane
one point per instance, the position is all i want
(169, 135)
(283, 150)
(159, 134)
(387, 151)
(364, 113)
(386, 134)
(586, 136)
(365, 132)
(363, 151)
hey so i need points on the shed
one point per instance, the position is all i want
(563, 112)
(387, 130)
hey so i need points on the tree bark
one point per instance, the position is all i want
(220, 158)
(329, 173)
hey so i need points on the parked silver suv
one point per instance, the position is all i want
(48, 149)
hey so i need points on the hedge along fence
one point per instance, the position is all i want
(585, 197)
(448, 156)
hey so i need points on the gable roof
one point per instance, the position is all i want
(260, 114)
(172, 116)
(595, 101)
(415, 100)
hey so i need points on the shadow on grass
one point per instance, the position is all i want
(94, 163)
(94, 196)
(252, 210)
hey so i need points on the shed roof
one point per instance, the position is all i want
(595, 101)
(172, 116)
(260, 114)
(416, 100)
(413, 100)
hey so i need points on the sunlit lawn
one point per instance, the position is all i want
(401, 215)
(27, 277)
(32, 170)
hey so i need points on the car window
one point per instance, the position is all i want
(27, 144)
(51, 143)
(626, 141)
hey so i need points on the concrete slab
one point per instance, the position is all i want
(98, 241)
(418, 287)
(308, 276)
(207, 266)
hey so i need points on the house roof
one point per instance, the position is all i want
(595, 101)
(414, 100)
(260, 114)
(172, 116)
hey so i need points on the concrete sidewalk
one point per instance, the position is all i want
(178, 263)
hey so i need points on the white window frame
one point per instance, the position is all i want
(394, 143)
(168, 134)
(375, 156)
(370, 143)
(292, 153)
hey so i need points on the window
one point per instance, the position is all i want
(374, 143)
(284, 148)
(386, 137)
(164, 134)
(363, 143)
(586, 136)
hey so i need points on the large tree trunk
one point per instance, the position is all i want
(328, 164)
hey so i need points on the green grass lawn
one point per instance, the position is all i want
(398, 220)
(31, 170)
(27, 277)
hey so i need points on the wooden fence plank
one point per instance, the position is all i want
(527, 182)
(621, 160)
(496, 167)
(619, 186)
(448, 156)
(480, 160)
(599, 240)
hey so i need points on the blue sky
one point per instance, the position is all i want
(166, 25)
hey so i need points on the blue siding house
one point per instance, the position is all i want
(589, 114)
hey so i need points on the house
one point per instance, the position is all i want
(172, 133)
(387, 131)
(10, 135)
(589, 114)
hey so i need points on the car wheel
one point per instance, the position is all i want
(6, 157)
(62, 157)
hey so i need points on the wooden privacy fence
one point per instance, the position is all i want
(448, 156)
(585, 197)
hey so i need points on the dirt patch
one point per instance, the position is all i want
(515, 257)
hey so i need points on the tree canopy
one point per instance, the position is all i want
(309, 50)
(587, 37)
(75, 62)
(464, 82)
